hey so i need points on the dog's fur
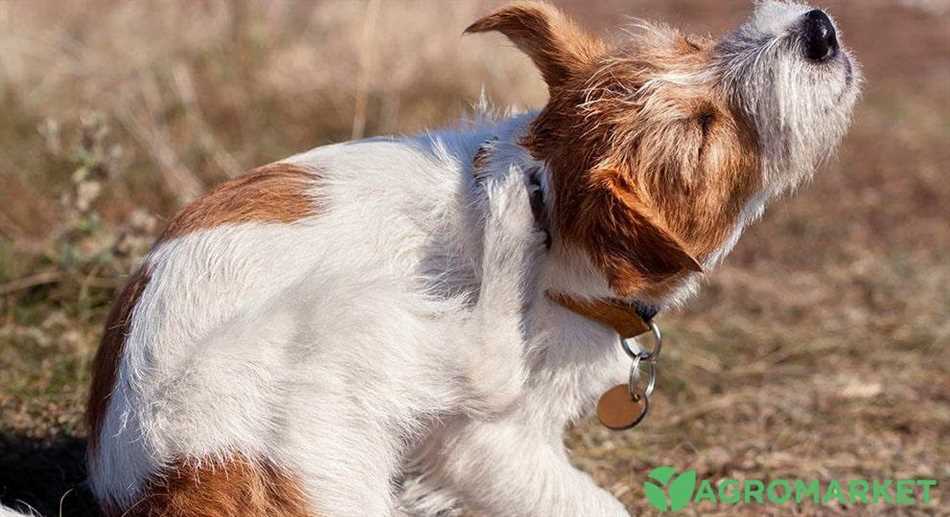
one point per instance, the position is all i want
(362, 329)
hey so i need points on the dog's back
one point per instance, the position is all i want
(233, 353)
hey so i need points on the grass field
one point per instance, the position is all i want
(820, 350)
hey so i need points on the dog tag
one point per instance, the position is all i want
(618, 409)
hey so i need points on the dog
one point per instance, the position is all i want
(386, 327)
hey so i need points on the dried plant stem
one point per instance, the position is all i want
(141, 121)
(366, 68)
(46, 277)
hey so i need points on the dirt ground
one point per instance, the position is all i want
(819, 350)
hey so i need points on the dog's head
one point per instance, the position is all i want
(662, 147)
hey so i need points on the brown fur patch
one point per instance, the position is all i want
(105, 366)
(649, 176)
(275, 193)
(237, 487)
(648, 194)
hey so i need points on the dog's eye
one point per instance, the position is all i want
(705, 122)
(693, 46)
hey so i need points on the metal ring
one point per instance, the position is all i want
(651, 384)
(634, 373)
(654, 354)
(625, 343)
(633, 383)
(650, 355)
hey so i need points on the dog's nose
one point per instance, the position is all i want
(819, 37)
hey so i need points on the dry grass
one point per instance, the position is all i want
(819, 350)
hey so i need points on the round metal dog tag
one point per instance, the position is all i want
(618, 409)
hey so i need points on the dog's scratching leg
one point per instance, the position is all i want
(513, 245)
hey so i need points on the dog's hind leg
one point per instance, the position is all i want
(513, 246)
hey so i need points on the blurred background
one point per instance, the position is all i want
(819, 350)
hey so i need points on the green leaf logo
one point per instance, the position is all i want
(679, 488)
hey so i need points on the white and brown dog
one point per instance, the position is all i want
(368, 328)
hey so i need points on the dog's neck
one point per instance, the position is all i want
(572, 280)
(568, 270)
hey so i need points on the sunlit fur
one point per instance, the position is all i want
(373, 354)
(800, 109)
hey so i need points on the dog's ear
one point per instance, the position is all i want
(624, 238)
(558, 47)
